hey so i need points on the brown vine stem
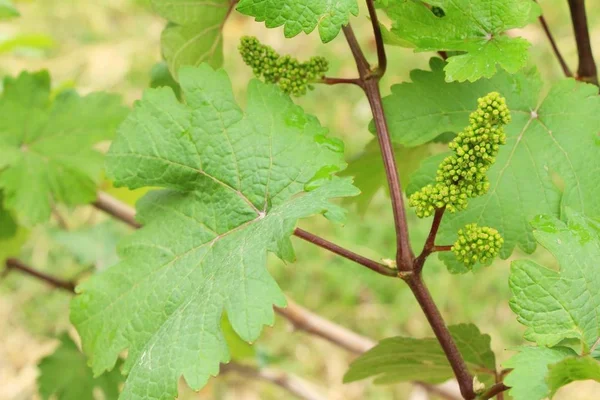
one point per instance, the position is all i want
(555, 49)
(338, 81)
(18, 265)
(430, 246)
(436, 321)
(404, 257)
(370, 85)
(334, 248)
(495, 390)
(587, 71)
(291, 383)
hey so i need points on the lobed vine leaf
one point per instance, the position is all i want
(302, 15)
(551, 160)
(65, 375)
(565, 304)
(558, 308)
(235, 184)
(195, 31)
(530, 368)
(572, 369)
(475, 27)
(401, 359)
(47, 150)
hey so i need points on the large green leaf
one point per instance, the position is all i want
(64, 375)
(572, 369)
(302, 15)
(530, 368)
(565, 304)
(47, 147)
(401, 359)
(551, 161)
(235, 187)
(195, 32)
(475, 27)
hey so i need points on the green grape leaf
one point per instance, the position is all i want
(234, 189)
(195, 32)
(475, 27)
(302, 15)
(401, 359)
(12, 236)
(93, 245)
(46, 147)
(547, 164)
(572, 369)
(558, 305)
(421, 110)
(160, 76)
(530, 367)
(369, 173)
(8, 225)
(65, 375)
(7, 10)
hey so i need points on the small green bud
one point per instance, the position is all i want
(477, 244)
(292, 76)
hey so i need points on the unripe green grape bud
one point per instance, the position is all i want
(292, 76)
(477, 244)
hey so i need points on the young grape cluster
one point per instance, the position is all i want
(463, 175)
(292, 76)
(477, 244)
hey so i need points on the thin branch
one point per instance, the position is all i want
(421, 293)
(404, 256)
(429, 246)
(587, 71)
(381, 56)
(18, 265)
(334, 248)
(291, 383)
(60, 219)
(117, 209)
(309, 322)
(370, 85)
(364, 69)
(436, 249)
(337, 81)
(493, 391)
(557, 53)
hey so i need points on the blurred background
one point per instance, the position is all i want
(112, 46)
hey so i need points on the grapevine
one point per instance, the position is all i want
(235, 179)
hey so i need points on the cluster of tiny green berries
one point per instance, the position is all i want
(477, 244)
(292, 76)
(463, 175)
